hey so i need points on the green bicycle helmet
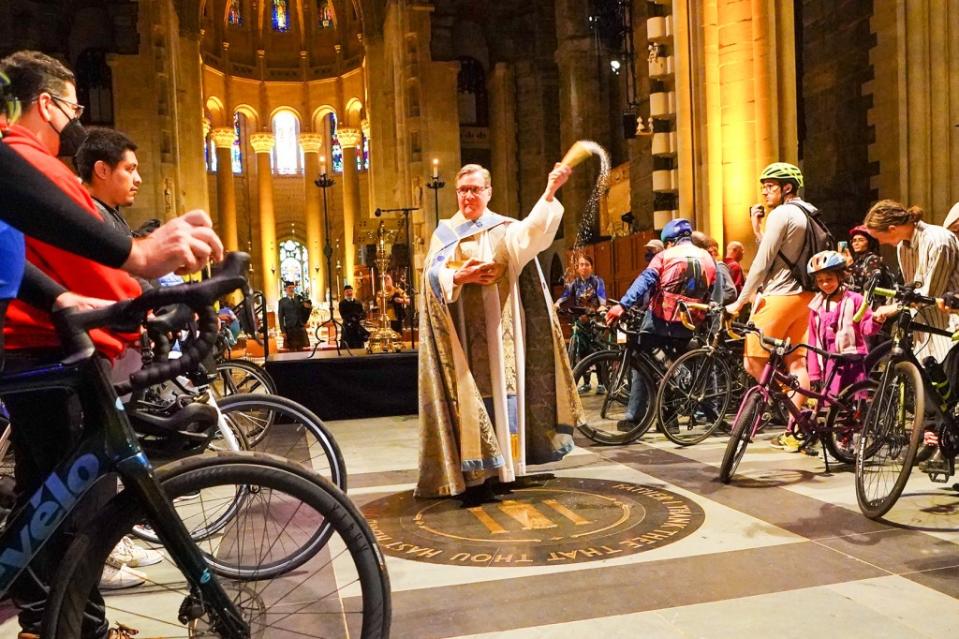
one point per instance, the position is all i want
(782, 171)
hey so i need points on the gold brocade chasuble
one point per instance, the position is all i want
(496, 390)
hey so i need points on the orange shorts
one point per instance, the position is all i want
(780, 316)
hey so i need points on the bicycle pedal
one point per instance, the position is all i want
(939, 468)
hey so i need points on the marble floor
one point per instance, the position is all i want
(781, 552)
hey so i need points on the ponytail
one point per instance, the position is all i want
(886, 213)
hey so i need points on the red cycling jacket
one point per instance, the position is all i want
(28, 327)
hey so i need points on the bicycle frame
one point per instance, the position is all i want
(773, 378)
(901, 350)
(107, 444)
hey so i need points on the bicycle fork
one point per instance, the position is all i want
(206, 592)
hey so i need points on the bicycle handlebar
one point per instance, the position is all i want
(904, 294)
(128, 315)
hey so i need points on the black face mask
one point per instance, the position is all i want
(71, 137)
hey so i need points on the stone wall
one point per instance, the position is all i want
(835, 131)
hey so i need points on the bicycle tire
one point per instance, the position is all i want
(280, 426)
(673, 400)
(894, 445)
(602, 412)
(354, 554)
(843, 427)
(745, 424)
(241, 376)
(571, 350)
(146, 533)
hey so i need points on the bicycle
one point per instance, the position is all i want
(700, 385)
(907, 405)
(838, 432)
(604, 413)
(197, 597)
(260, 420)
(587, 335)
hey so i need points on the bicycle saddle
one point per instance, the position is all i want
(183, 432)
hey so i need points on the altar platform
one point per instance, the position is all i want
(348, 386)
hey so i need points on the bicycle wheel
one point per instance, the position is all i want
(746, 423)
(340, 587)
(240, 376)
(236, 441)
(280, 426)
(605, 413)
(891, 435)
(845, 419)
(693, 397)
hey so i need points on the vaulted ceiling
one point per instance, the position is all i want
(240, 28)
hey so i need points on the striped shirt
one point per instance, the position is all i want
(932, 258)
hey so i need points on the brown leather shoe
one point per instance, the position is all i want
(122, 632)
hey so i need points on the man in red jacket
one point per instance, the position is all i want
(45, 424)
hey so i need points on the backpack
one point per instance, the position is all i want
(818, 238)
(687, 275)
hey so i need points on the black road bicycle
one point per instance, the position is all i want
(618, 369)
(342, 589)
(907, 404)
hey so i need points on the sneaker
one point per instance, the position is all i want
(600, 389)
(127, 552)
(625, 425)
(786, 442)
(186, 497)
(585, 388)
(120, 578)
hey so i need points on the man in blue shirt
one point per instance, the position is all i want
(682, 272)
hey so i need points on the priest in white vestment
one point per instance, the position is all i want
(496, 390)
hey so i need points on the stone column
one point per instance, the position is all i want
(225, 192)
(583, 106)
(262, 144)
(366, 128)
(312, 144)
(503, 135)
(190, 169)
(350, 139)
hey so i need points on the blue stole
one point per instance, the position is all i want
(450, 237)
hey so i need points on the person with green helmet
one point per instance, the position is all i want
(782, 309)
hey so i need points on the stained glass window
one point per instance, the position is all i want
(363, 159)
(294, 262)
(237, 151)
(324, 10)
(335, 149)
(210, 153)
(287, 157)
(234, 16)
(281, 15)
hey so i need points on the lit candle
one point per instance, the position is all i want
(323, 165)
(436, 168)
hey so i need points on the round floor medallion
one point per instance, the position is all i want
(558, 521)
